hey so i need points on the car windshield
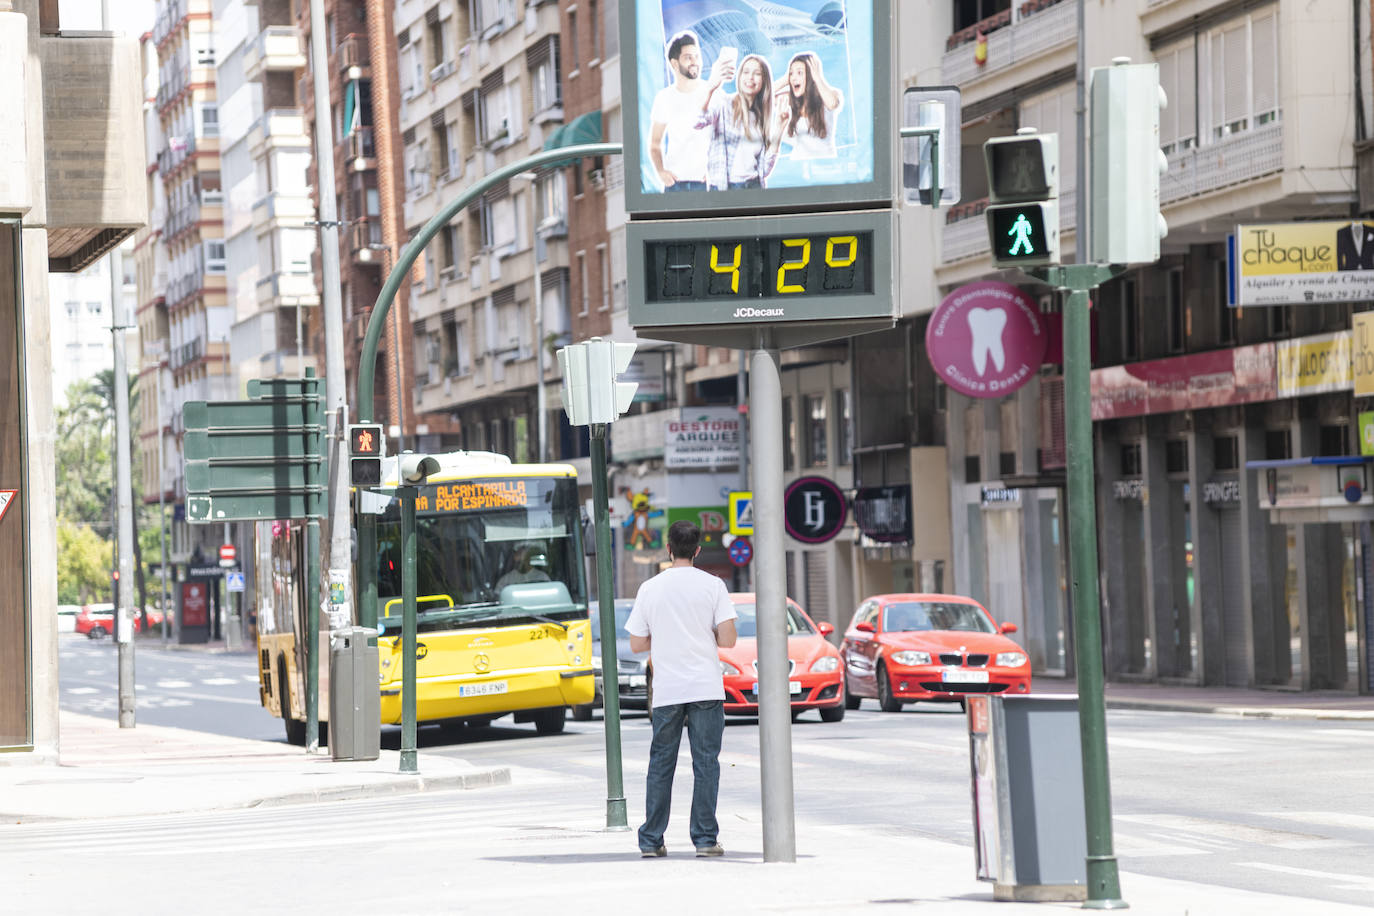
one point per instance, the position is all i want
(622, 614)
(747, 624)
(911, 616)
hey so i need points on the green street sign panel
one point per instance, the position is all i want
(205, 476)
(232, 444)
(244, 507)
(280, 415)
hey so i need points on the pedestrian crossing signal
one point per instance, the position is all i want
(366, 446)
(1023, 190)
(1019, 235)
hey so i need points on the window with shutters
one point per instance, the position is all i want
(813, 415)
(545, 86)
(844, 419)
(582, 282)
(551, 193)
(1178, 79)
(440, 164)
(1052, 112)
(493, 112)
(1239, 65)
(817, 585)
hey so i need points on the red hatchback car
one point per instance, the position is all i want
(908, 647)
(817, 676)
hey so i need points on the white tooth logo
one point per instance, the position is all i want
(987, 326)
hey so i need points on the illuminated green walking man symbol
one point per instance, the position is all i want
(1022, 230)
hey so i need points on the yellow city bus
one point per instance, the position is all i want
(502, 599)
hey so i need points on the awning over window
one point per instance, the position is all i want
(585, 128)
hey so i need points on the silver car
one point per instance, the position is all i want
(631, 667)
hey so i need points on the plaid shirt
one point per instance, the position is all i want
(726, 134)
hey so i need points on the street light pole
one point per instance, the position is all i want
(541, 405)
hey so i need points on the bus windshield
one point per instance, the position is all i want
(488, 549)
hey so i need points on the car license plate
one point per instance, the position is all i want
(793, 687)
(961, 676)
(482, 690)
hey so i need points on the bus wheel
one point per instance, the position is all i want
(582, 713)
(295, 729)
(550, 721)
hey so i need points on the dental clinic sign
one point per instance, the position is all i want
(986, 339)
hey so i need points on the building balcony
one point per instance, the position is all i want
(278, 127)
(1015, 36)
(1232, 160)
(361, 151)
(277, 47)
(281, 210)
(187, 353)
(288, 290)
(364, 241)
(353, 57)
(167, 21)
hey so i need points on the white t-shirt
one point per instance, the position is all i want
(681, 608)
(744, 162)
(806, 145)
(684, 146)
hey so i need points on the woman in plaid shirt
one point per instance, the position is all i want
(744, 141)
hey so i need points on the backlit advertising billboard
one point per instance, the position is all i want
(749, 104)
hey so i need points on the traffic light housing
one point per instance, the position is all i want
(366, 447)
(591, 393)
(415, 469)
(1023, 197)
(1125, 221)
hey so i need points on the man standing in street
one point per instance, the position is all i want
(677, 150)
(680, 617)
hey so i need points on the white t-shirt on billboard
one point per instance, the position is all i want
(684, 146)
(680, 609)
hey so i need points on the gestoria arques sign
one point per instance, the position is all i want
(1299, 263)
(703, 437)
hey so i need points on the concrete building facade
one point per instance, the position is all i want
(69, 192)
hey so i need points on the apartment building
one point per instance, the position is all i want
(70, 191)
(364, 101)
(1204, 582)
(185, 317)
(481, 87)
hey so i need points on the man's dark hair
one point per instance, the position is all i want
(680, 41)
(683, 540)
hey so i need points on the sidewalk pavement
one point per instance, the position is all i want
(547, 849)
(1228, 701)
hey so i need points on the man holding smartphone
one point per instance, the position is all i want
(681, 616)
(677, 149)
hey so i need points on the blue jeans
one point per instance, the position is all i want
(687, 186)
(705, 723)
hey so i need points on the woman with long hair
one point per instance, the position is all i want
(813, 103)
(744, 142)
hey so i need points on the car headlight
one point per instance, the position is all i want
(911, 657)
(1011, 659)
(727, 669)
(822, 665)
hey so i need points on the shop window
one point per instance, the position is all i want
(1130, 459)
(1176, 456)
(1332, 439)
(1277, 445)
(1006, 464)
(973, 471)
(1226, 453)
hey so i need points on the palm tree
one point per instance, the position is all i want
(103, 386)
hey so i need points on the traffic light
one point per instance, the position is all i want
(366, 446)
(415, 469)
(591, 393)
(1127, 163)
(1023, 197)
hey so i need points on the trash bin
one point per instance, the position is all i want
(1029, 832)
(355, 702)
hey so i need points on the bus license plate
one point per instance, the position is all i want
(793, 687)
(482, 690)
(960, 676)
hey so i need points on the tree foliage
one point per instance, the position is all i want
(83, 564)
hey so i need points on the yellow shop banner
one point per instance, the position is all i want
(1312, 365)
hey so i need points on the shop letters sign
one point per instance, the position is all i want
(1313, 365)
(1362, 354)
(1242, 375)
(705, 437)
(1304, 263)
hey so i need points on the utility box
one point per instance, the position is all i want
(1029, 831)
(355, 700)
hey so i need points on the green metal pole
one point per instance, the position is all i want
(1104, 884)
(616, 815)
(367, 364)
(408, 639)
(312, 636)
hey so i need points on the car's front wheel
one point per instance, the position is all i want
(96, 632)
(834, 713)
(582, 713)
(886, 701)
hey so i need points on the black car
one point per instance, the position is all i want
(631, 667)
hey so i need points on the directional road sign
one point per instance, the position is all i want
(741, 552)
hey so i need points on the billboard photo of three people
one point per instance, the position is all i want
(753, 95)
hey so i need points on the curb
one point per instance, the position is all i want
(410, 785)
(1252, 712)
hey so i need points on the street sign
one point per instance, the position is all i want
(814, 509)
(227, 555)
(6, 497)
(741, 508)
(233, 581)
(741, 552)
(262, 458)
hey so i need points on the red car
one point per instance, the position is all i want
(97, 620)
(909, 647)
(817, 677)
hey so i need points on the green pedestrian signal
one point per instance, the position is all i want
(1023, 190)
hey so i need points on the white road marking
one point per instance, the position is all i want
(1340, 880)
(82, 690)
(173, 684)
(218, 681)
(1326, 818)
(1232, 832)
(1172, 747)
